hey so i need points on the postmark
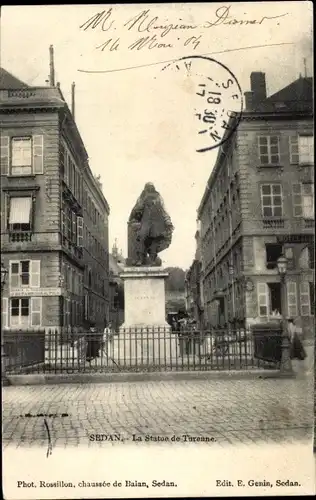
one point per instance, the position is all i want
(217, 100)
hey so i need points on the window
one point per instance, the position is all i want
(291, 298)
(271, 200)
(79, 231)
(273, 252)
(20, 312)
(20, 213)
(25, 312)
(25, 273)
(305, 298)
(301, 149)
(303, 200)
(22, 155)
(269, 150)
(269, 299)
(274, 290)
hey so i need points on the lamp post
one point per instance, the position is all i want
(4, 273)
(286, 365)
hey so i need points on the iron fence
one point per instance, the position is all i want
(22, 351)
(146, 350)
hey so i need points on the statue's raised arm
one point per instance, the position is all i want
(149, 229)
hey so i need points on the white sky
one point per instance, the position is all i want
(138, 124)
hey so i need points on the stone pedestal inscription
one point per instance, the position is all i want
(145, 337)
(144, 294)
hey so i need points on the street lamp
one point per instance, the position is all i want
(4, 273)
(282, 266)
(285, 346)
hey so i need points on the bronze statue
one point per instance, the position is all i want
(149, 229)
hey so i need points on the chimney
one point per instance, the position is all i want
(73, 99)
(51, 67)
(258, 87)
(248, 100)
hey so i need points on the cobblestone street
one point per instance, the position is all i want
(229, 411)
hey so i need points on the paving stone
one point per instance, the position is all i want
(231, 411)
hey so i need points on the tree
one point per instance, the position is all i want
(175, 280)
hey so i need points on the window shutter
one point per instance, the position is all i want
(79, 231)
(14, 274)
(5, 155)
(262, 299)
(297, 200)
(36, 311)
(35, 281)
(38, 148)
(305, 299)
(4, 312)
(291, 298)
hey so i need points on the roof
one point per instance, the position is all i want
(9, 81)
(297, 96)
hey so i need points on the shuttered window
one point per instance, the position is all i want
(22, 155)
(25, 273)
(303, 200)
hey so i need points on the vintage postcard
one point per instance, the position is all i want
(157, 250)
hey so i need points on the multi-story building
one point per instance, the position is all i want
(193, 284)
(259, 204)
(54, 216)
(116, 266)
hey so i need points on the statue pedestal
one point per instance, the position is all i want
(144, 298)
(145, 338)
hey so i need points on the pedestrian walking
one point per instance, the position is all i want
(94, 341)
(297, 350)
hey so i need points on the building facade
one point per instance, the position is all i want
(258, 205)
(117, 264)
(194, 284)
(54, 217)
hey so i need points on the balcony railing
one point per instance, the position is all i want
(20, 236)
(29, 96)
(273, 223)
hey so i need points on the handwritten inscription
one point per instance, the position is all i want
(156, 33)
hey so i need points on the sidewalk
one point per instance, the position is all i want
(228, 411)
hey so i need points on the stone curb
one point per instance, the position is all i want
(92, 378)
